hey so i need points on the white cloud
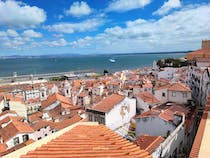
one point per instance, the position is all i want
(126, 5)
(32, 34)
(18, 14)
(87, 25)
(82, 42)
(3, 34)
(78, 9)
(167, 6)
(58, 35)
(9, 33)
(13, 43)
(12, 33)
(181, 30)
(56, 43)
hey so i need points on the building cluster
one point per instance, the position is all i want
(157, 110)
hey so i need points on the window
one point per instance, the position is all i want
(90, 117)
(184, 95)
(101, 120)
(16, 141)
(25, 137)
(45, 135)
(163, 94)
(173, 94)
(39, 138)
(96, 118)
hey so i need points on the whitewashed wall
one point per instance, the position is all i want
(41, 133)
(159, 96)
(179, 98)
(19, 108)
(10, 143)
(167, 73)
(153, 126)
(113, 119)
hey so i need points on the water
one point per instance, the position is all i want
(60, 64)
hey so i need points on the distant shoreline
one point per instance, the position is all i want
(78, 55)
(99, 63)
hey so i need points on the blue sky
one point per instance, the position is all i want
(41, 27)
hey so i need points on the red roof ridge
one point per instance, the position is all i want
(84, 140)
(158, 140)
(108, 103)
(200, 132)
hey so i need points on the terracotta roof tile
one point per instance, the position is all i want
(10, 118)
(40, 124)
(14, 128)
(166, 112)
(35, 116)
(149, 143)
(53, 98)
(174, 87)
(7, 112)
(201, 53)
(88, 141)
(179, 87)
(7, 151)
(148, 97)
(67, 122)
(108, 103)
(200, 132)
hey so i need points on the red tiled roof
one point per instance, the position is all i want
(147, 85)
(179, 87)
(10, 118)
(148, 113)
(201, 53)
(53, 98)
(174, 87)
(7, 151)
(65, 123)
(40, 124)
(35, 116)
(85, 141)
(199, 136)
(7, 112)
(108, 103)
(149, 143)
(166, 113)
(148, 97)
(14, 128)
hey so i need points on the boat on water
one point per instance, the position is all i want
(112, 60)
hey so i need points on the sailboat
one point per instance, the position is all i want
(112, 60)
